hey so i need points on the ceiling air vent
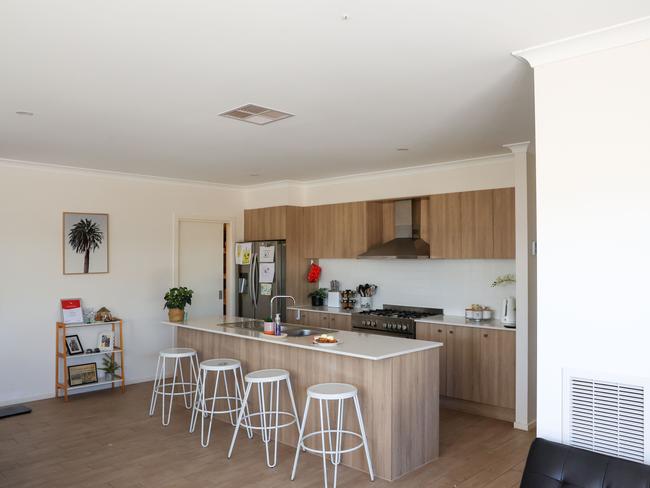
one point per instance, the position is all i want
(607, 417)
(256, 114)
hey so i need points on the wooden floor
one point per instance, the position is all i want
(107, 439)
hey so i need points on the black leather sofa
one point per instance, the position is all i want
(553, 465)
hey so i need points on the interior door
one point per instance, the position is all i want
(200, 265)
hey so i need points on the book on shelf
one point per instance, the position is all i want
(71, 311)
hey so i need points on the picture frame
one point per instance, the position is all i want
(73, 345)
(106, 341)
(85, 243)
(82, 374)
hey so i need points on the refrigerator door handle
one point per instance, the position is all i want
(253, 284)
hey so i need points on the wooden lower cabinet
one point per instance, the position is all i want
(321, 319)
(477, 365)
(436, 333)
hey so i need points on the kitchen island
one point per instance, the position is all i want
(398, 382)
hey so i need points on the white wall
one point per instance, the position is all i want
(141, 214)
(448, 284)
(593, 172)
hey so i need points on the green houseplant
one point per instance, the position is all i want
(176, 299)
(318, 297)
(109, 367)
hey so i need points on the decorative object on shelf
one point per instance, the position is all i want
(89, 351)
(105, 341)
(85, 236)
(71, 311)
(506, 279)
(73, 345)
(318, 297)
(104, 315)
(348, 299)
(96, 350)
(109, 367)
(89, 315)
(314, 273)
(82, 374)
(176, 299)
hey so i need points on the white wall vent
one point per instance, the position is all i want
(606, 416)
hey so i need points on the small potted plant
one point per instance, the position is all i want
(318, 297)
(109, 367)
(176, 299)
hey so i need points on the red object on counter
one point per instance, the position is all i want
(314, 273)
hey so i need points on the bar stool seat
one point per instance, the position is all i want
(234, 402)
(332, 391)
(220, 364)
(177, 352)
(268, 414)
(267, 376)
(165, 389)
(325, 393)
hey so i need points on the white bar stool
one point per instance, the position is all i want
(218, 366)
(161, 387)
(269, 417)
(327, 392)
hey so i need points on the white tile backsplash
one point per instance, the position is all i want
(448, 284)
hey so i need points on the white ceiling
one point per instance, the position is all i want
(136, 85)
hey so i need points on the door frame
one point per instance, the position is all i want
(230, 255)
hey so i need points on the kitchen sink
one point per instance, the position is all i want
(290, 330)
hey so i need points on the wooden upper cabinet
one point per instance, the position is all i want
(343, 230)
(445, 226)
(473, 224)
(504, 222)
(477, 232)
(265, 224)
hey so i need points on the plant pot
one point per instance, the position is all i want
(176, 314)
(317, 301)
(108, 376)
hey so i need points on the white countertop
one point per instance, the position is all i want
(355, 344)
(463, 322)
(312, 308)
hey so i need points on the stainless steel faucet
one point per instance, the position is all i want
(280, 296)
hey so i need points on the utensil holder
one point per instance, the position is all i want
(365, 303)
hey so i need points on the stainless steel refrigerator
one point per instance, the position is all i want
(251, 303)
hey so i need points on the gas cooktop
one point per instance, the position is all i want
(391, 320)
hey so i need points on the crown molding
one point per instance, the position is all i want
(66, 169)
(518, 147)
(598, 40)
(271, 185)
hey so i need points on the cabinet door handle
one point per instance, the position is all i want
(485, 335)
(439, 331)
(451, 331)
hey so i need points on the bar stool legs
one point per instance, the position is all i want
(269, 415)
(161, 387)
(331, 444)
(220, 367)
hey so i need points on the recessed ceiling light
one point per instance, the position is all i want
(255, 114)
(402, 148)
(22, 112)
(254, 174)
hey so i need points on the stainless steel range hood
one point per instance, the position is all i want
(407, 243)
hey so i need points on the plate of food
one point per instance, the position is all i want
(325, 340)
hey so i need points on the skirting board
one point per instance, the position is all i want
(499, 413)
(49, 394)
(526, 427)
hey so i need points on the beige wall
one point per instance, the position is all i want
(141, 224)
(488, 172)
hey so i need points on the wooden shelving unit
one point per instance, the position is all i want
(62, 357)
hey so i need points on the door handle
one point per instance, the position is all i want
(220, 294)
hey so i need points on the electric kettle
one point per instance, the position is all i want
(509, 312)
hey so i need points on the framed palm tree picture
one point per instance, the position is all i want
(85, 243)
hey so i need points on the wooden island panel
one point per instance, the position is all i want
(399, 396)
